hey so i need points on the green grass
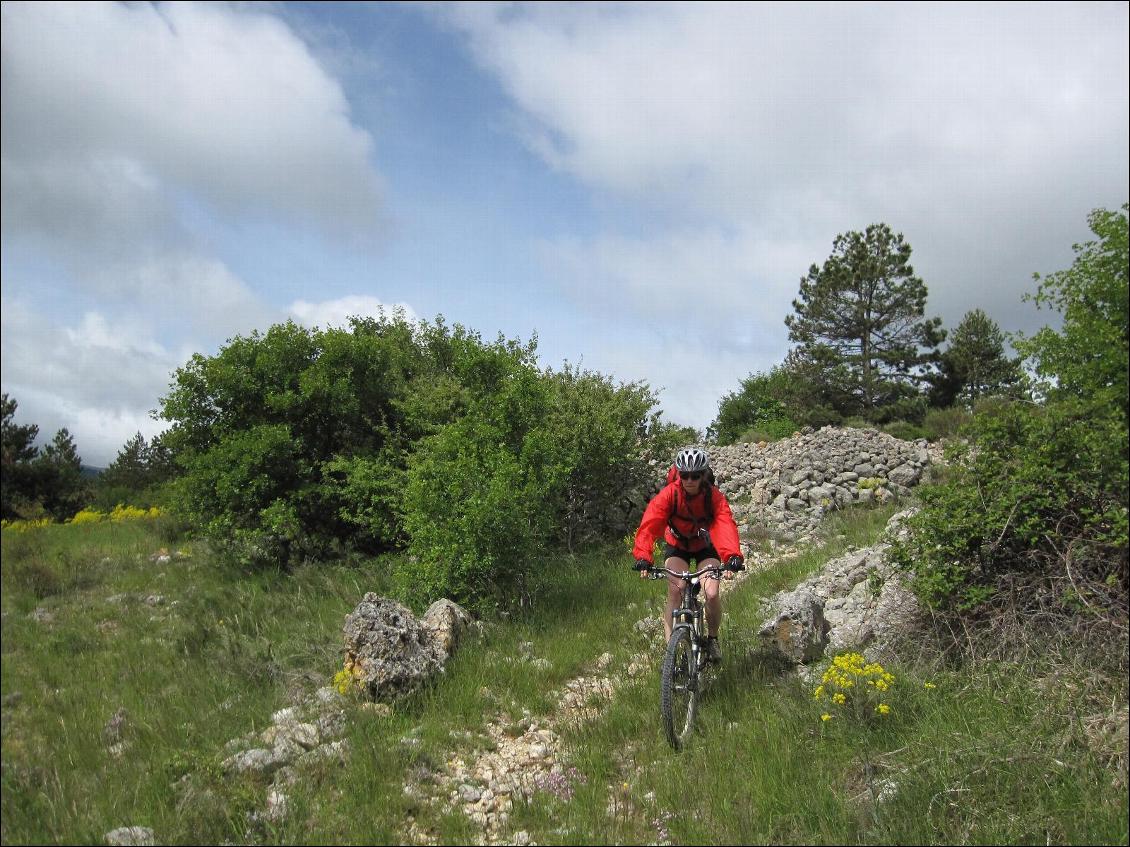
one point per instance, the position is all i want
(993, 754)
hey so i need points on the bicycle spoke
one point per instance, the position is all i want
(678, 695)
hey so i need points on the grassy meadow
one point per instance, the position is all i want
(108, 616)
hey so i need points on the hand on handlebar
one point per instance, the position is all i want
(643, 566)
(733, 565)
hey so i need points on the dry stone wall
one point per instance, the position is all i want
(783, 489)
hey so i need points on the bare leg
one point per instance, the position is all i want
(674, 595)
(713, 601)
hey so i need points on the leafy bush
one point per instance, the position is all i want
(367, 491)
(535, 462)
(291, 442)
(302, 444)
(1039, 492)
(478, 506)
(599, 427)
(905, 430)
(769, 433)
(945, 423)
(759, 404)
(1038, 495)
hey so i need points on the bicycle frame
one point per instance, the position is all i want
(679, 683)
(690, 614)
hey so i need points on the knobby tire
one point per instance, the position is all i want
(678, 696)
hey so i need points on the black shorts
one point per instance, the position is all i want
(697, 557)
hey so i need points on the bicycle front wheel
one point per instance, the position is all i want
(678, 694)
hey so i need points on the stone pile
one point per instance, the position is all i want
(298, 736)
(783, 489)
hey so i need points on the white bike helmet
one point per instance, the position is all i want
(692, 459)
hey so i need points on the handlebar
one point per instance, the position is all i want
(713, 572)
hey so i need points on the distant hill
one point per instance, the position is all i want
(89, 472)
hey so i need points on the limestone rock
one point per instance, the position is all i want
(798, 630)
(447, 622)
(858, 600)
(393, 651)
(130, 835)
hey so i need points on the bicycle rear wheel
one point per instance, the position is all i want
(678, 693)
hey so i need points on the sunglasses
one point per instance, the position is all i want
(689, 475)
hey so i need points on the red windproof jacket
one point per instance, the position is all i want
(688, 514)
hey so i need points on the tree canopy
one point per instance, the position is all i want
(860, 319)
(34, 481)
(297, 444)
(1087, 358)
(975, 364)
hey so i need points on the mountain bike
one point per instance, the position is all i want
(686, 657)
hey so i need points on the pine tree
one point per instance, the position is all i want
(17, 480)
(861, 318)
(129, 469)
(61, 488)
(975, 365)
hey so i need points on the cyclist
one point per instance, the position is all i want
(696, 523)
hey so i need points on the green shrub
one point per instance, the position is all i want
(945, 423)
(759, 405)
(1037, 491)
(767, 433)
(904, 430)
(597, 426)
(479, 499)
(536, 463)
(367, 493)
(301, 444)
(907, 407)
(990, 406)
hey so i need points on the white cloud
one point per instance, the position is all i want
(135, 137)
(713, 101)
(336, 313)
(735, 285)
(201, 293)
(98, 378)
(984, 132)
(222, 104)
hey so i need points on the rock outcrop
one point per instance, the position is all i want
(856, 602)
(390, 653)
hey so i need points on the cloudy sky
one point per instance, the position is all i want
(642, 186)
